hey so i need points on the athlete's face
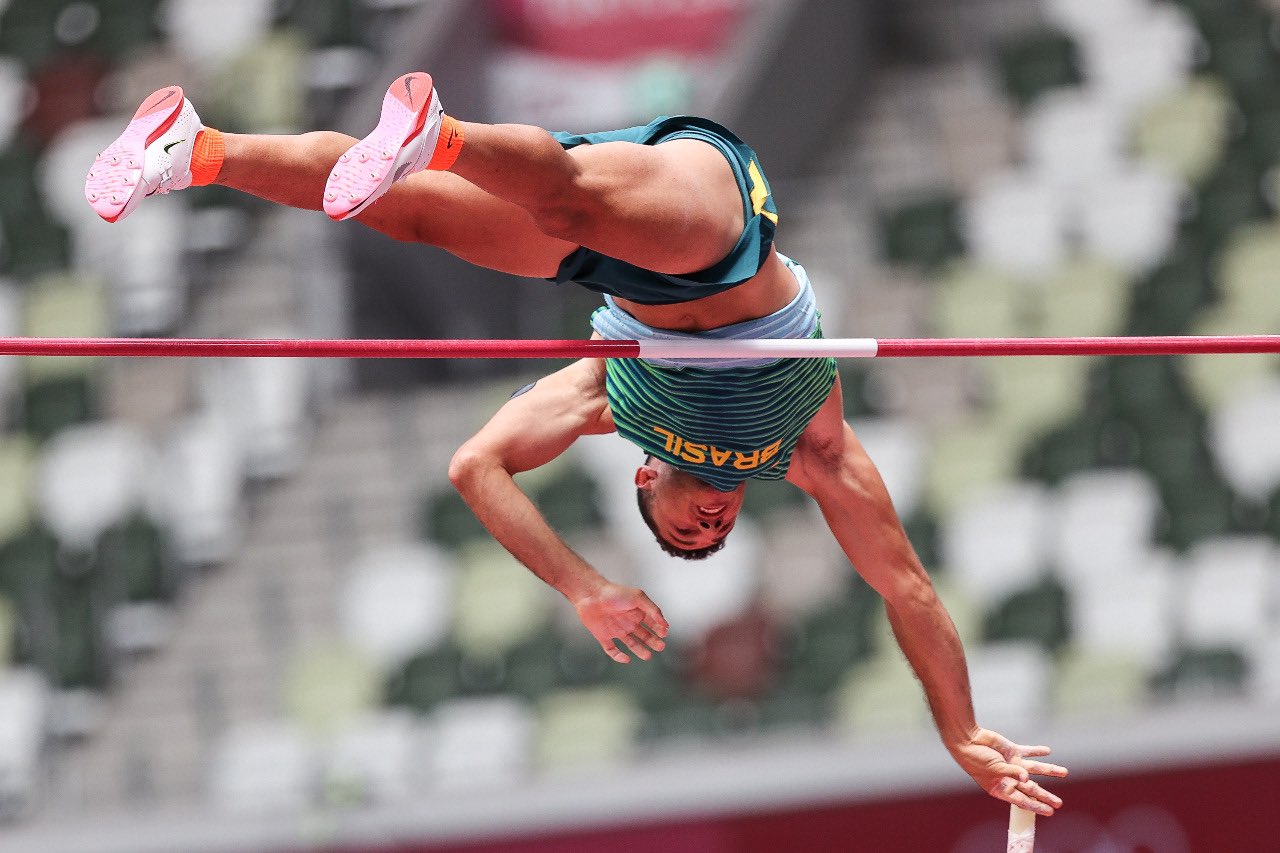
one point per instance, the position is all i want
(688, 513)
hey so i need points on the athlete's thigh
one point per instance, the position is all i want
(673, 208)
(442, 209)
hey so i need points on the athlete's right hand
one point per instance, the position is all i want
(614, 613)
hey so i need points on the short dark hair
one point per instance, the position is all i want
(643, 500)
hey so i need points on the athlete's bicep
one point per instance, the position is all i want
(820, 444)
(540, 421)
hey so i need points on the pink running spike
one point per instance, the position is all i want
(111, 188)
(409, 105)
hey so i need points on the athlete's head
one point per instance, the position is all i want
(689, 517)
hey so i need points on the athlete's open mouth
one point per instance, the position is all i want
(713, 509)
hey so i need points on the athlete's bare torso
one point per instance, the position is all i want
(769, 290)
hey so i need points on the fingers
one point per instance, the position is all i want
(653, 616)
(613, 651)
(1032, 750)
(639, 639)
(1026, 794)
(637, 648)
(1044, 768)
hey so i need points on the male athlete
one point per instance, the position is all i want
(674, 223)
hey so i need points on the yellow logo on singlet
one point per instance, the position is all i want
(759, 193)
(699, 453)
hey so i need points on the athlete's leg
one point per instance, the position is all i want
(165, 148)
(438, 208)
(673, 207)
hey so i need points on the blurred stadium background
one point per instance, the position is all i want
(241, 608)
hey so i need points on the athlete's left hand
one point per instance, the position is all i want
(1003, 769)
(614, 612)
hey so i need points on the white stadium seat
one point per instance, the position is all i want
(1104, 523)
(1017, 222)
(91, 476)
(482, 742)
(1242, 438)
(261, 769)
(996, 542)
(397, 600)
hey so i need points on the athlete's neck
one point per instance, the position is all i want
(769, 290)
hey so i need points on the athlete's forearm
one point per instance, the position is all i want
(860, 513)
(513, 520)
(928, 638)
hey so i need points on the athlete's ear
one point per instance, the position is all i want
(645, 476)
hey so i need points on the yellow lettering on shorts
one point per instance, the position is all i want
(759, 193)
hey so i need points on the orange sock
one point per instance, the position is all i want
(448, 144)
(206, 157)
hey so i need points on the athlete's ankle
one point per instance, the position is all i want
(206, 157)
(448, 144)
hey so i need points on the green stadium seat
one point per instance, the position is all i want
(531, 669)
(787, 710)
(19, 194)
(966, 458)
(498, 603)
(1091, 685)
(328, 687)
(689, 718)
(1038, 614)
(1241, 53)
(325, 22)
(570, 501)
(133, 556)
(1249, 278)
(83, 655)
(17, 470)
(1212, 380)
(1029, 396)
(1145, 389)
(125, 28)
(1086, 296)
(1168, 299)
(584, 728)
(973, 301)
(1034, 63)
(27, 32)
(446, 520)
(922, 234)
(55, 403)
(426, 680)
(879, 697)
(830, 640)
(1229, 198)
(1186, 133)
(8, 631)
(1199, 506)
(766, 498)
(1201, 672)
(1063, 451)
(656, 685)
(263, 91)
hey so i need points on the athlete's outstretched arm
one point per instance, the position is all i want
(830, 464)
(529, 431)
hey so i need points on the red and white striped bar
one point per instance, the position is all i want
(704, 348)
